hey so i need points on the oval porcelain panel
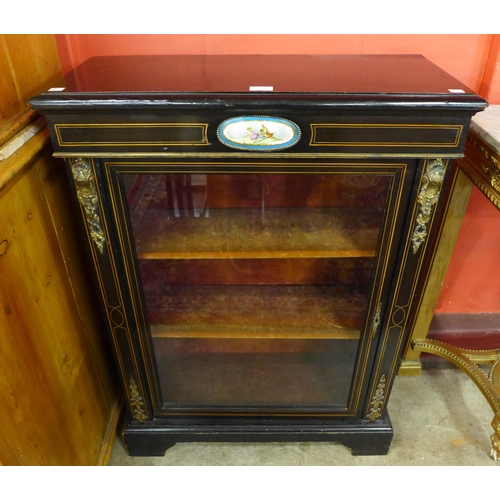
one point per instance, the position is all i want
(258, 133)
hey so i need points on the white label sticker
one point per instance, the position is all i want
(261, 88)
(456, 91)
(57, 89)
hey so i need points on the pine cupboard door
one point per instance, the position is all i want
(248, 287)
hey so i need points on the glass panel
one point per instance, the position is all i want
(256, 285)
(255, 372)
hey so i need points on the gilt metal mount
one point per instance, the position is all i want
(136, 402)
(428, 197)
(86, 192)
(377, 401)
(376, 321)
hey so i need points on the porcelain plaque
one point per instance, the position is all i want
(261, 133)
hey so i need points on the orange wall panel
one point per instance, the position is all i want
(490, 86)
(471, 285)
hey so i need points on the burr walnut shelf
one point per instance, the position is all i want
(259, 255)
(250, 311)
(249, 233)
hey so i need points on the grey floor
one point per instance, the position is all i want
(439, 418)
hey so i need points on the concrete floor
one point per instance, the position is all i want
(439, 418)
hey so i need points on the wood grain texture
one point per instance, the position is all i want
(28, 64)
(58, 403)
(23, 157)
(55, 399)
(9, 101)
(62, 214)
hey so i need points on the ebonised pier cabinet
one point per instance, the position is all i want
(260, 229)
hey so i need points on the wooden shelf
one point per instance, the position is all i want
(256, 311)
(342, 254)
(221, 332)
(327, 232)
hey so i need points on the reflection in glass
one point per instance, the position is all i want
(256, 285)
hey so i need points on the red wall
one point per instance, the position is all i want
(470, 285)
(490, 86)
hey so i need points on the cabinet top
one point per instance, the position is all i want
(344, 79)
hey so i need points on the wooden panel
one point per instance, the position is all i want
(381, 135)
(28, 64)
(63, 215)
(9, 102)
(132, 134)
(58, 403)
(314, 271)
(31, 285)
(54, 398)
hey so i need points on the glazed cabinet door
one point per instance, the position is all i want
(250, 287)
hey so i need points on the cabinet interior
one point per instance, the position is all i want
(250, 280)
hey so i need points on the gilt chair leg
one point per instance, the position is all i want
(468, 361)
(495, 439)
